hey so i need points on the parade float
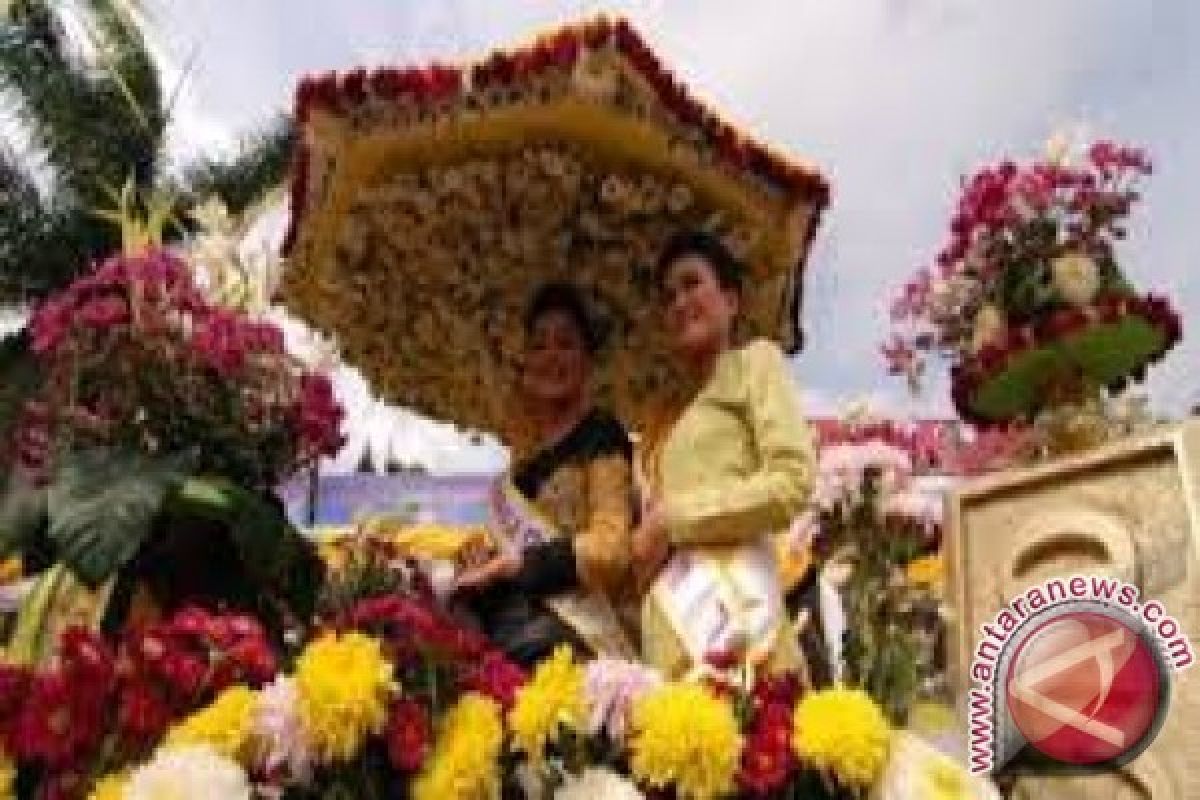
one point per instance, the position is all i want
(180, 638)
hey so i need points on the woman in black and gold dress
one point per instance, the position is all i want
(562, 514)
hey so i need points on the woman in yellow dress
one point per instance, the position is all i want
(562, 515)
(730, 470)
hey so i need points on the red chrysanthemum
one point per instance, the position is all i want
(408, 736)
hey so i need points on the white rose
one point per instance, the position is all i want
(1076, 277)
(989, 327)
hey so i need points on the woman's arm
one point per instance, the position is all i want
(602, 547)
(768, 500)
(597, 557)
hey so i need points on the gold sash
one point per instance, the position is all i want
(520, 524)
(722, 600)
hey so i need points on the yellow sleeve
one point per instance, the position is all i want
(602, 547)
(744, 509)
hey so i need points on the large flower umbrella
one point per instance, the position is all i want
(427, 205)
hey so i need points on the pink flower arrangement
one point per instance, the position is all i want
(1030, 257)
(135, 356)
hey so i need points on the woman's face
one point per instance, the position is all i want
(556, 359)
(699, 311)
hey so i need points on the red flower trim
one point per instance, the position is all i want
(437, 84)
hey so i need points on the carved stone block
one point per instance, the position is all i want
(1129, 510)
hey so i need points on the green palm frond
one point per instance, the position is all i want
(23, 223)
(259, 165)
(94, 122)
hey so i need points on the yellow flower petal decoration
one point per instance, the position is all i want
(926, 572)
(343, 683)
(465, 760)
(110, 787)
(553, 699)
(843, 732)
(225, 725)
(8, 777)
(685, 736)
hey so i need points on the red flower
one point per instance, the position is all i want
(186, 673)
(255, 660)
(408, 736)
(143, 713)
(564, 49)
(496, 677)
(60, 722)
(354, 86)
(596, 35)
(87, 661)
(768, 759)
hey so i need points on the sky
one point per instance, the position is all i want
(893, 99)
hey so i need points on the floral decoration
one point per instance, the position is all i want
(1027, 299)
(136, 356)
(574, 158)
(844, 732)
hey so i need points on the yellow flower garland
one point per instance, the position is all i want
(844, 732)
(552, 698)
(686, 737)
(225, 725)
(8, 777)
(343, 683)
(464, 764)
(110, 787)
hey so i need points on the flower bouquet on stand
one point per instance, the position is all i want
(166, 423)
(1028, 301)
(877, 538)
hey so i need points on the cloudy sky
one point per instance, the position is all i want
(894, 99)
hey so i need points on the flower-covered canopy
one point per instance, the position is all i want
(428, 204)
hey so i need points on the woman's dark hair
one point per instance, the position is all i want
(566, 299)
(725, 267)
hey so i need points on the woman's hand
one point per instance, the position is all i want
(505, 564)
(651, 547)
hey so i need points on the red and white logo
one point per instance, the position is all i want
(1085, 688)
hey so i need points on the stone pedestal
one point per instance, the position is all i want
(1129, 510)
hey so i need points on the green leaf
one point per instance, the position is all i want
(102, 506)
(22, 516)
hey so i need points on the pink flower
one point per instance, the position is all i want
(287, 752)
(319, 416)
(611, 687)
(900, 356)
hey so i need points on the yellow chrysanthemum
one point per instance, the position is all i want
(553, 698)
(110, 787)
(686, 737)
(343, 683)
(844, 732)
(926, 572)
(225, 725)
(8, 777)
(464, 764)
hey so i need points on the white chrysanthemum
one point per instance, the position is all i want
(595, 783)
(1076, 277)
(195, 772)
(277, 725)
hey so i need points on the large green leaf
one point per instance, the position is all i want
(101, 508)
(22, 516)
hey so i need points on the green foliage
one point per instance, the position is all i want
(94, 123)
(101, 508)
